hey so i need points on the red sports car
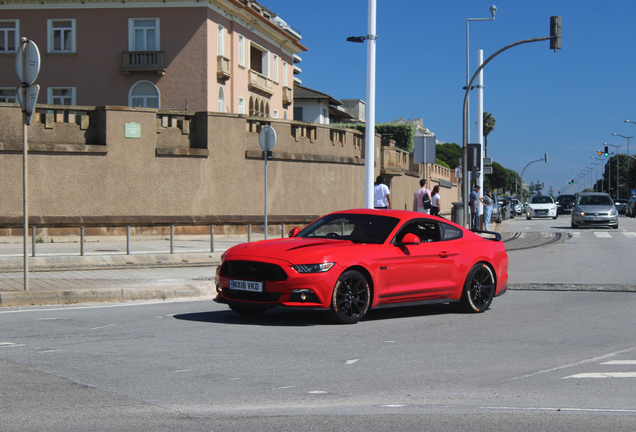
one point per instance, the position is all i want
(351, 261)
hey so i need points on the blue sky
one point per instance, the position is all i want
(566, 104)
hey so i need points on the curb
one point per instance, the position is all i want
(66, 297)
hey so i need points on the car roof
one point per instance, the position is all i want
(593, 194)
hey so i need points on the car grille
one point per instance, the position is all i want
(253, 270)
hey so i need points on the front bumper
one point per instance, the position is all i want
(593, 220)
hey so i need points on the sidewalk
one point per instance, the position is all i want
(59, 275)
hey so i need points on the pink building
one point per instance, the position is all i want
(230, 56)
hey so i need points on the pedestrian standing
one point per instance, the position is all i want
(474, 208)
(435, 199)
(488, 201)
(382, 195)
(418, 199)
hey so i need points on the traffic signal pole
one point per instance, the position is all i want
(555, 38)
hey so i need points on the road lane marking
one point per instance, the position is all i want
(101, 327)
(602, 234)
(317, 392)
(630, 234)
(604, 375)
(282, 388)
(563, 409)
(620, 362)
(591, 360)
(351, 361)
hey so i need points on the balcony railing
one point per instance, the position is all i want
(261, 82)
(223, 67)
(287, 96)
(143, 61)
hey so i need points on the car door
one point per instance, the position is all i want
(420, 272)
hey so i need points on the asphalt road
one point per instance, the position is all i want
(538, 360)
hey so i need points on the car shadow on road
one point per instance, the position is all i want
(304, 318)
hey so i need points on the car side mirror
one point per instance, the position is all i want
(293, 232)
(410, 239)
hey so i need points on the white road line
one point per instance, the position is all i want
(604, 375)
(282, 388)
(591, 360)
(351, 361)
(630, 234)
(318, 392)
(97, 328)
(602, 234)
(564, 409)
(620, 362)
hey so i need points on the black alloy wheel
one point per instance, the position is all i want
(350, 299)
(479, 289)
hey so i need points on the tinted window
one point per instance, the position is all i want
(359, 228)
(595, 200)
(427, 231)
(541, 200)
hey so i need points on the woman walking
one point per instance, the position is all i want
(487, 200)
(435, 199)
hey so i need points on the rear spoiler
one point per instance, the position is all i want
(495, 235)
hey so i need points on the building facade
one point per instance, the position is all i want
(230, 56)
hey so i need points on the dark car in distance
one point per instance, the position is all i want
(621, 205)
(630, 208)
(565, 203)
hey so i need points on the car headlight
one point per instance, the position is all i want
(313, 268)
(613, 212)
(580, 213)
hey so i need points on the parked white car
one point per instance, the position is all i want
(541, 206)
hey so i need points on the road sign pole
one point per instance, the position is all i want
(25, 197)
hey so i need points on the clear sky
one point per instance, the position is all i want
(566, 104)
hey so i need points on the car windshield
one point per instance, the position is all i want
(566, 198)
(541, 200)
(603, 200)
(358, 228)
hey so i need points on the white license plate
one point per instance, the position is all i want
(246, 285)
(597, 219)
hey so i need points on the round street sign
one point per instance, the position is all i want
(27, 61)
(267, 138)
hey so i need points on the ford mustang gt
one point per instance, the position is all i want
(349, 262)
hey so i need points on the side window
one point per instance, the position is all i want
(220, 40)
(144, 94)
(221, 100)
(61, 36)
(9, 36)
(427, 231)
(451, 233)
(241, 50)
(143, 34)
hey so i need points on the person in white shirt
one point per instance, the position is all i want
(382, 195)
(418, 206)
(435, 200)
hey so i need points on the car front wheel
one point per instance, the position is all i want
(479, 289)
(351, 298)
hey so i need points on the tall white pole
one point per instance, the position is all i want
(480, 127)
(369, 144)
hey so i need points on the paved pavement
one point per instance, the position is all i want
(59, 275)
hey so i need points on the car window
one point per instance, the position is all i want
(427, 231)
(359, 228)
(603, 200)
(541, 200)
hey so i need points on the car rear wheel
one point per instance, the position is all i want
(247, 311)
(528, 217)
(350, 300)
(479, 289)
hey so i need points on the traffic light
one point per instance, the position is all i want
(555, 33)
(606, 154)
(600, 153)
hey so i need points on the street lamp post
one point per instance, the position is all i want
(369, 136)
(493, 10)
(602, 177)
(629, 161)
(596, 179)
(617, 164)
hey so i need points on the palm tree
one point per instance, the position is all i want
(489, 124)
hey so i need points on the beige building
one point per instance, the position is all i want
(229, 56)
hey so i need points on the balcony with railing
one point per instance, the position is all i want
(261, 82)
(288, 96)
(143, 61)
(223, 67)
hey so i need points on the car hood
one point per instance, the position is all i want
(541, 206)
(297, 250)
(595, 208)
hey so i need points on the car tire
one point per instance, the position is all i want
(615, 226)
(555, 217)
(528, 217)
(247, 311)
(351, 298)
(574, 226)
(479, 289)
